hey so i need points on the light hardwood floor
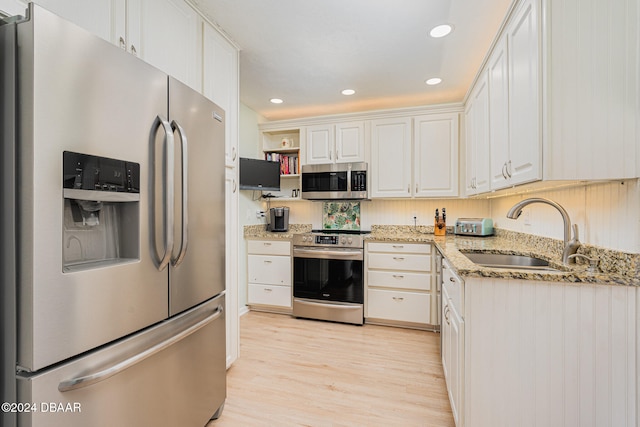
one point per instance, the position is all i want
(296, 372)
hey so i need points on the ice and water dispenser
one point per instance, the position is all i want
(101, 212)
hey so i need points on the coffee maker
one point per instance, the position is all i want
(278, 219)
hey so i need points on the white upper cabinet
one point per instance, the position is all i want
(523, 59)
(320, 144)
(498, 82)
(220, 70)
(170, 38)
(104, 18)
(390, 158)
(415, 156)
(435, 159)
(350, 142)
(509, 90)
(339, 143)
(165, 33)
(477, 177)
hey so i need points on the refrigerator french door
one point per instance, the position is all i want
(119, 252)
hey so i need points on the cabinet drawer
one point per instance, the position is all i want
(269, 270)
(414, 248)
(400, 306)
(275, 295)
(402, 262)
(453, 285)
(269, 247)
(399, 279)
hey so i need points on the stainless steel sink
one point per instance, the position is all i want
(520, 262)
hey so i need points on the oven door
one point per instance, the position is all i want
(324, 274)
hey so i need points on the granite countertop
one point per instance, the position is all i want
(617, 268)
(259, 232)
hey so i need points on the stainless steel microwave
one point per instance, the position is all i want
(339, 181)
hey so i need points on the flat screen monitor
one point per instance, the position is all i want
(260, 175)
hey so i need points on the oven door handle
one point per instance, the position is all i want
(347, 254)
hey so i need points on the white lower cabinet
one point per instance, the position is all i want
(399, 284)
(269, 275)
(541, 353)
(452, 330)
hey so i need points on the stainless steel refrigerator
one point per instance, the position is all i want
(112, 235)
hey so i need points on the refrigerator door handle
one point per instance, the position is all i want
(87, 380)
(175, 261)
(168, 194)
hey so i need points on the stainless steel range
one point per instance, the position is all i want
(328, 271)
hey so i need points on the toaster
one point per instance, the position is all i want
(473, 227)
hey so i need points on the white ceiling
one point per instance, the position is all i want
(307, 51)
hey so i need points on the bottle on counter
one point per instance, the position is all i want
(440, 223)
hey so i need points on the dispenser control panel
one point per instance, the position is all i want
(87, 172)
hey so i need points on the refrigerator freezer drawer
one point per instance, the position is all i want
(142, 380)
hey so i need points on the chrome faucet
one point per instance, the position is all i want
(570, 245)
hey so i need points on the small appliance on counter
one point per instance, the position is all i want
(278, 219)
(473, 227)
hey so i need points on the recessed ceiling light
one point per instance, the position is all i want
(440, 30)
(276, 101)
(434, 81)
(348, 92)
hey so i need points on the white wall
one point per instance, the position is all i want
(248, 147)
(607, 214)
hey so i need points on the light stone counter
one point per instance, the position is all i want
(259, 232)
(617, 268)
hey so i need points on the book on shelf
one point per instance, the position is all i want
(289, 163)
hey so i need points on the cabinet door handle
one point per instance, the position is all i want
(266, 261)
(504, 171)
(268, 290)
(123, 45)
(233, 154)
(509, 169)
(398, 276)
(398, 246)
(398, 298)
(134, 51)
(267, 244)
(235, 186)
(398, 258)
(451, 279)
(446, 314)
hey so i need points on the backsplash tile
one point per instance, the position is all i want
(341, 216)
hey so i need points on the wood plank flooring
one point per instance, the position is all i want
(296, 372)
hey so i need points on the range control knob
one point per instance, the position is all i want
(343, 240)
(350, 240)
